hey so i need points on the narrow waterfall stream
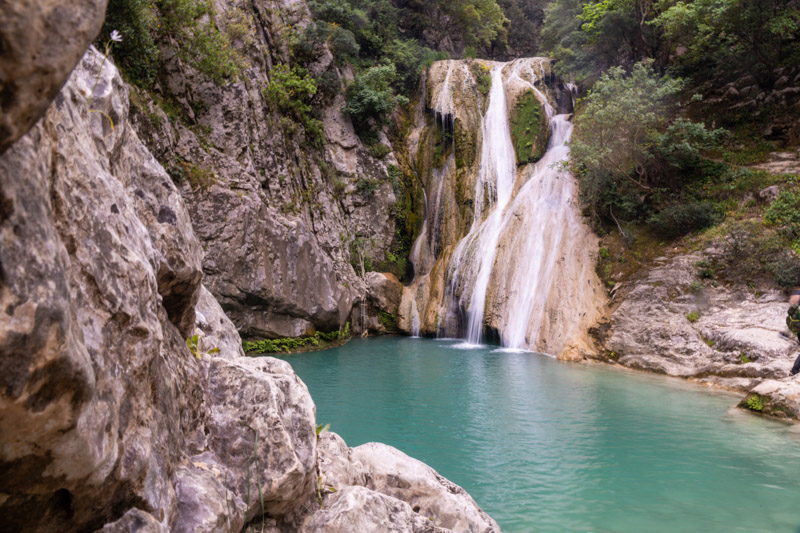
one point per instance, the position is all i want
(474, 258)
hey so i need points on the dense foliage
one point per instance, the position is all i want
(699, 38)
(632, 153)
(145, 24)
(293, 344)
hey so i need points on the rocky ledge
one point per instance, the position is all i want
(730, 337)
(109, 419)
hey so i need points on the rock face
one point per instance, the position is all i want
(42, 42)
(735, 339)
(108, 420)
(279, 218)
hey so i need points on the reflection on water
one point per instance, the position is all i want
(544, 445)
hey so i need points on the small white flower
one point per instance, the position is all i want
(116, 36)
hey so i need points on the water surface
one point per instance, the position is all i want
(544, 445)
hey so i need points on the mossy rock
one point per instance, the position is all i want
(530, 131)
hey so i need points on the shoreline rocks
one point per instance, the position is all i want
(723, 336)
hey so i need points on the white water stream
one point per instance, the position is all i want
(492, 194)
(532, 223)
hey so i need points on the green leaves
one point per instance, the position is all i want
(290, 344)
(629, 150)
(291, 92)
(193, 343)
(371, 97)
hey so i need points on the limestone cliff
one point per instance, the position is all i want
(280, 219)
(109, 419)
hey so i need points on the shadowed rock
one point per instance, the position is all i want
(41, 41)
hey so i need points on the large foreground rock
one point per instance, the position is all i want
(40, 43)
(104, 412)
(369, 483)
(108, 421)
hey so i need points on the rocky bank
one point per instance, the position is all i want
(728, 336)
(108, 419)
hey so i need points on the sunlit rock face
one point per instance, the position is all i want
(503, 248)
(104, 412)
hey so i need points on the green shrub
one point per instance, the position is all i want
(137, 55)
(379, 150)
(370, 96)
(387, 320)
(693, 317)
(291, 92)
(291, 344)
(628, 145)
(367, 186)
(147, 24)
(785, 209)
(786, 268)
(679, 219)
(408, 57)
(755, 403)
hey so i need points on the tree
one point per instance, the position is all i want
(628, 144)
(734, 36)
(371, 97)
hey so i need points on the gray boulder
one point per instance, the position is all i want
(42, 41)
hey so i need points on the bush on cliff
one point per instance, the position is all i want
(189, 24)
(371, 98)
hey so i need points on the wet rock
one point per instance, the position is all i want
(379, 310)
(42, 42)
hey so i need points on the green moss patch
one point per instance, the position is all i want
(529, 131)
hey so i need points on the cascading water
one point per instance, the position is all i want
(540, 211)
(523, 264)
(415, 321)
(492, 194)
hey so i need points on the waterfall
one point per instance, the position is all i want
(522, 265)
(415, 321)
(540, 210)
(492, 193)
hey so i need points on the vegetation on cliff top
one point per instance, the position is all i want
(147, 25)
(529, 129)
